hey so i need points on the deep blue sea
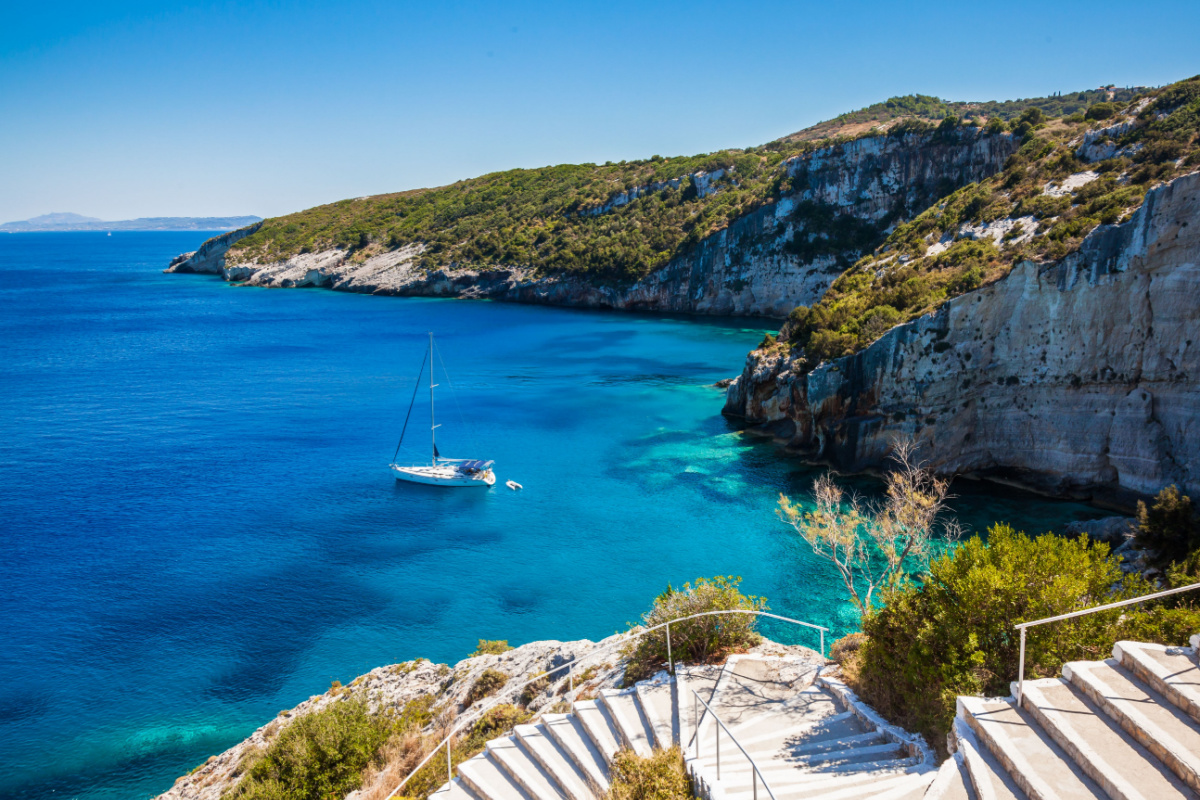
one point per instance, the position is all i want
(199, 527)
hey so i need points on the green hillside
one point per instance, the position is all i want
(903, 279)
(547, 219)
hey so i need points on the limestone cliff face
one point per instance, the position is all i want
(1076, 377)
(750, 268)
(211, 255)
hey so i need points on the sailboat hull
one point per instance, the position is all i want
(442, 476)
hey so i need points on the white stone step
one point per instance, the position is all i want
(988, 776)
(524, 769)
(1028, 754)
(734, 762)
(952, 781)
(688, 680)
(805, 707)
(454, 790)
(626, 713)
(547, 752)
(777, 732)
(1109, 755)
(658, 704)
(485, 778)
(568, 733)
(852, 784)
(599, 727)
(1151, 719)
(1171, 671)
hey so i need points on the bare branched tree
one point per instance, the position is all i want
(869, 544)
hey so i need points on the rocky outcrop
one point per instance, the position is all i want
(752, 267)
(210, 257)
(1077, 377)
(392, 687)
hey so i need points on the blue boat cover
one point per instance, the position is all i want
(474, 466)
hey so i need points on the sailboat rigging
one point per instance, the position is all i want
(440, 471)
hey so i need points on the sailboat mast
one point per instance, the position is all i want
(432, 419)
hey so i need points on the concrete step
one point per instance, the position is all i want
(989, 779)
(1106, 753)
(952, 781)
(807, 706)
(568, 733)
(734, 762)
(454, 790)
(557, 762)
(701, 679)
(599, 727)
(484, 777)
(658, 704)
(774, 732)
(1156, 724)
(1171, 671)
(1029, 755)
(626, 713)
(864, 782)
(524, 769)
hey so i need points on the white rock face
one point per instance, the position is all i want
(745, 269)
(1077, 377)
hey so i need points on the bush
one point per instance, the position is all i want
(954, 633)
(698, 641)
(487, 647)
(1101, 111)
(845, 650)
(486, 685)
(662, 776)
(321, 755)
(1169, 529)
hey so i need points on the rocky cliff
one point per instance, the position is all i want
(783, 254)
(1075, 377)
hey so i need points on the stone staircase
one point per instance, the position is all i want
(1127, 728)
(808, 733)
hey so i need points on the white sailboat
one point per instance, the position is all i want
(440, 471)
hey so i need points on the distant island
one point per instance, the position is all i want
(76, 222)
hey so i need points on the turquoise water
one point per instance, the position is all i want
(200, 528)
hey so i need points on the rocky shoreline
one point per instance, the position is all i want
(748, 269)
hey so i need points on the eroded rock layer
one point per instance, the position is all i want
(1075, 377)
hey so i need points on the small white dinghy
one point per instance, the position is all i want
(513, 485)
(440, 471)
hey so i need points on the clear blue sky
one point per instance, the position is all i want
(118, 110)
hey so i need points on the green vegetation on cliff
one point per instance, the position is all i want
(1027, 211)
(612, 222)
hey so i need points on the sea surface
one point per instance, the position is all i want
(198, 527)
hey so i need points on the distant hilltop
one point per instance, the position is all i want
(76, 222)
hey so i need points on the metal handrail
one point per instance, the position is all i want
(630, 636)
(1120, 603)
(756, 775)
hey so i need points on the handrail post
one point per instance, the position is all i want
(449, 766)
(754, 781)
(1021, 671)
(717, 737)
(696, 722)
(822, 632)
(670, 661)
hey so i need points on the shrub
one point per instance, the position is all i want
(487, 647)
(700, 641)
(486, 685)
(1101, 111)
(954, 633)
(845, 650)
(661, 776)
(320, 755)
(1169, 529)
